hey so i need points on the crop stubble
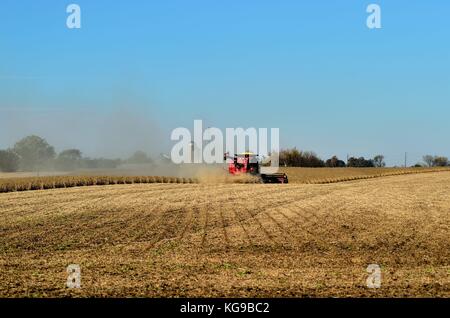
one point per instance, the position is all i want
(230, 239)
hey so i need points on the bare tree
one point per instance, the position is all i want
(378, 161)
(429, 160)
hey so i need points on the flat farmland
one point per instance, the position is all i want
(225, 239)
(331, 175)
(22, 181)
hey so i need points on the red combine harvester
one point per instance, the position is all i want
(249, 163)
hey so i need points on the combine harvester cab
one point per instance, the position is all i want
(249, 163)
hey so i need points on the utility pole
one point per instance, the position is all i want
(406, 157)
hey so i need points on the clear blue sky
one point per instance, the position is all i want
(311, 68)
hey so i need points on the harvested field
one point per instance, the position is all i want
(331, 175)
(295, 240)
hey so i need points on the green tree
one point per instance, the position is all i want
(139, 157)
(439, 161)
(360, 162)
(34, 152)
(334, 162)
(9, 161)
(295, 158)
(69, 159)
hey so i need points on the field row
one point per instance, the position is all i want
(333, 175)
(57, 182)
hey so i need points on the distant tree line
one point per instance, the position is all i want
(435, 161)
(296, 158)
(33, 153)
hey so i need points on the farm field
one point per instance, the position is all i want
(224, 239)
(330, 175)
(11, 182)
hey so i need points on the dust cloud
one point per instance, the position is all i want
(109, 134)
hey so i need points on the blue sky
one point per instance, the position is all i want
(138, 69)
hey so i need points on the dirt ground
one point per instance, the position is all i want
(166, 240)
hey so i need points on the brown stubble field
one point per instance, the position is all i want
(174, 240)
